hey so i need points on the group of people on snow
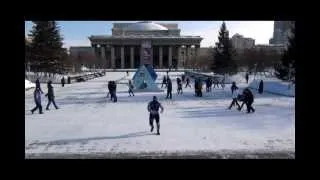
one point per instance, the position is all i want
(246, 98)
(37, 97)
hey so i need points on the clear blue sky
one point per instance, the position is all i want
(76, 33)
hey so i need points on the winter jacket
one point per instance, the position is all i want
(233, 87)
(248, 96)
(260, 90)
(50, 93)
(37, 96)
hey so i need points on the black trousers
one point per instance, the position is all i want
(53, 102)
(163, 84)
(187, 85)
(38, 105)
(234, 101)
(180, 91)
(249, 107)
(130, 92)
(153, 117)
(169, 93)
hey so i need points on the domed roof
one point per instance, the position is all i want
(145, 26)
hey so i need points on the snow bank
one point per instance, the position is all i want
(28, 85)
(275, 87)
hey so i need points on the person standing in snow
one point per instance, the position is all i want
(38, 85)
(179, 86)
(69, 80)
(109, 90)
(63, 81)
(50, 96)
(247, 77)
(164, 81)
(234, 91)
(153, 109)
(248, 99)
(169, 88)
(260, 89)
(183, 78)
(130, 88)
(114, 91)
(207, 85)
(188, 83)
(37, 100)
(215, 83)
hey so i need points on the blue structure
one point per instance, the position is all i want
(144, 79)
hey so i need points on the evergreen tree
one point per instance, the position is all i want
(287, 63)
(223, 53)
(46, 51)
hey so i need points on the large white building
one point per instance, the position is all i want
(240, 43)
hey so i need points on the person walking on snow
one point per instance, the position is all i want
(188, 83)
(234, 91)
(169, 88)
(247, 77)
(164, 81)
(153, 109)
(260, 89)
(37, 100)
(130, 88)
(63, 81)
(179, 86)
(50, 96)
(248, 99)
(38, 85)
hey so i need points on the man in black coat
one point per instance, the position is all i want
(247, 77)
(164, 81)
(188, 83)
(50, 96)
(114, 91)
(169, 88)
(63, 81)
(247, 98)
(260, 89)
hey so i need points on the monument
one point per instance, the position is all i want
(145, 76)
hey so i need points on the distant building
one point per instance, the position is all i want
(281, 31)
(270, 48)
(240, 43)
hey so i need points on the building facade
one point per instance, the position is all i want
(134, 44)
(240, 43)
(281, 31)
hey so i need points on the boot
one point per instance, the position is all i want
(151, 129)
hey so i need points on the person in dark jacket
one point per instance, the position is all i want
(63, 81)
(153, 109)
(207, 85)
(183, 77)
(169, 88)
(69, 80)
(247, 98)
(247, 77)
(215, 83)
(37, 100)
(130, 88)
(50, 96)
(260, 89)
(109, 90)
(114, 91)
(200, 87)
(164, 81)
(38, 85)
(234, 91)
(188, 83)
(179, 83)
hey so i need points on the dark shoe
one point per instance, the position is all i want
(151, 128)
(47, 109)
(239, 109)
(158, 133)
(31, 111)
(57, 108)
(41, 113)
(253, 110)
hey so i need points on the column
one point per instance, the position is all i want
(160, 57)
(131, 57)
(103, 52)
(179, 57)
(113, 63)
(188, 50)
(170, 56)
(122, 57)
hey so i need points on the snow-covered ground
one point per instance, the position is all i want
(89, 123)
(275, 86)
(28, 84)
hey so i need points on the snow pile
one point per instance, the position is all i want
(28, 84)
(275, 87)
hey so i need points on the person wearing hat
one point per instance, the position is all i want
(37, 100)
(153, 108)
(50, 96)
